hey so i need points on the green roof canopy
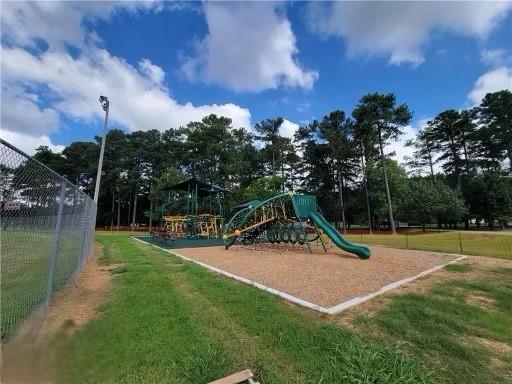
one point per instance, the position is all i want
(203, 188)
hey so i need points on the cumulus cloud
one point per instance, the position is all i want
(495, 80)
(39, 85)
(401, 30)
(29, 143)
(22, 114)
(288, 129)
(139, 99)
(249, 47)
(59, 22)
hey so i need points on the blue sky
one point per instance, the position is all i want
(163, 64)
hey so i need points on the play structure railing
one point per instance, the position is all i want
(204, 225)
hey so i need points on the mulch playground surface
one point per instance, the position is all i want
(321, 278)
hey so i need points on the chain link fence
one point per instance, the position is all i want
(478, 243)
(47, 229)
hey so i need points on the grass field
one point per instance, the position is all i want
(167, 321)
(479, 244)
(25, 260)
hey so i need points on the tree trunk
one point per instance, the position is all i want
(388, 195)
(466, 156)
(456, 162)
(118, 212)
(151, 208)
(282, 174)
(112, 212)
(134, 220)
(366, 193)
(129, 210)
(430, 163)
(342, 205)
(509, 154)
(273, 159)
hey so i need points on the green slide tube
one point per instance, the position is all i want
(362, 251)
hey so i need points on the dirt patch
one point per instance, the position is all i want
(480, 300)
(28, 356)
(497, 347)
(78, 303)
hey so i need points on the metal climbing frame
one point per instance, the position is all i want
(280, 219)
(287, 218)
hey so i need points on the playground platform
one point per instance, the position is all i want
(327, 282)
(182, 243)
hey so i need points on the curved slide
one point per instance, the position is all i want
(362, 251)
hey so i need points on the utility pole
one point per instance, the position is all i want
(105, 104)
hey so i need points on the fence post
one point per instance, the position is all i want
(55, 244)
(85, 233)
(406, 240)
(460, 243)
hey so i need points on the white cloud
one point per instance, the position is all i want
(493, 57)
(153, 72)
(495, 80)
(23, 115)
(29, 143)
(288, 129)
(399, 148)
(69, 85)
(139, 99)
(249, 47)
(59, 22)
(401, 30)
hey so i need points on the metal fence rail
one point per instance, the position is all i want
(47, 229)
(461, 242)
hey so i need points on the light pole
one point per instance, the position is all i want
(104, 103)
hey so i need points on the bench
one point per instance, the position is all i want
(162, 237)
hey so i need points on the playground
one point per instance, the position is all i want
(285, 246)
(166, 318)
(274, 287)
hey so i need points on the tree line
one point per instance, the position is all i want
(460, 172)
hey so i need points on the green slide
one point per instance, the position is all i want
(360, 250)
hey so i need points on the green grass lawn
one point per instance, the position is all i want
(453, 242)
(168, 321)
(25, 260)
(462, 327)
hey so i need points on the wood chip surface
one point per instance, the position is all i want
(325, 279)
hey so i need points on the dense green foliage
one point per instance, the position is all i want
(334, 157)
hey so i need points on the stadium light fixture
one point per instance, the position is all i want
(105, 105)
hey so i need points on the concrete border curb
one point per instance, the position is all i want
(304, 303)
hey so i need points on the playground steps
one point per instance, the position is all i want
(244, 376)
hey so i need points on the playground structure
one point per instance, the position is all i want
(288, 218)
(195, 208)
